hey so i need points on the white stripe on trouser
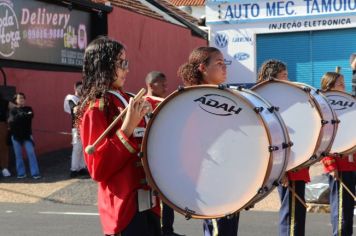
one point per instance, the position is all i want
(77, 162)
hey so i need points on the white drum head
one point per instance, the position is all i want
(300, 116)
(202, 156)
(345, 107)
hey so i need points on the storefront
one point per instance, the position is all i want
(311, 36)
(41, 54)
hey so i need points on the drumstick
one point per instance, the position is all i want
(297, 196)
(90, 149)
(345, 187)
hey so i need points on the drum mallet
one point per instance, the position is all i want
(90, 149)
(297, 196)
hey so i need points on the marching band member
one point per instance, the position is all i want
(156, 84)
(339, 169)
(292, 213)
(124, 198)
(206, 66)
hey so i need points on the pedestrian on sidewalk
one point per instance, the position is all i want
(20, 121)
(78, 167)
(4, 136)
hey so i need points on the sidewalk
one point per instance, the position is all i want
(56, 186)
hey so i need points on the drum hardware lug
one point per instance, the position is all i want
(240, 87)
(275, 183)
(287, 145)
(155, 193)
(180, 88)
(188, 213)
(249, 207)
(314, 157)
(317, 91)
(306, 89)
(324, 154)
(222, 86)
(324, 122)
(273, 148)
(258, 109)
(150, 115)
(272, 109)
(335, 121)
(263, 190)
(140, 155)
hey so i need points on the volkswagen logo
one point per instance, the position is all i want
(221, 40)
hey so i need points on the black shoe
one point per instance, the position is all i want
(84, 173)
(74, 174)
(173, 234)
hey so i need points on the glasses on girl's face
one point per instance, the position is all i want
(122, 64)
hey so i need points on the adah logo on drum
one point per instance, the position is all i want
(218, 105)
(339, 103)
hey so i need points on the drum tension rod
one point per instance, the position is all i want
(263, 190)
(272, 109)
(180, 88)
(335, 121)
(258, 109)
(306, 89)
(188, 213)
(273, 148)
(140, 155)
(324, 122)
(317, 91)
(287, 145)
(222, 86)
(275, 183)
(314, 157)
(324, 154)
(150, 115)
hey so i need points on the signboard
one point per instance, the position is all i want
(234, 25)
(264, 10)
(35, 31)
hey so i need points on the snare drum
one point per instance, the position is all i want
(210, 151)
(344, 105)
(309, 119)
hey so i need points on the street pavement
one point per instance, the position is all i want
(58, 205)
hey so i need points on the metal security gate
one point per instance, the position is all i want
(310, 54)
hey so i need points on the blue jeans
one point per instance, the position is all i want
(32, 159)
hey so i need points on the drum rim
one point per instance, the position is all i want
(148, 173)
(258, 198)
(298, 86)
(351, 149)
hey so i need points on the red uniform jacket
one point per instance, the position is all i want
(115, 164)
(299, 175)
(339, 163)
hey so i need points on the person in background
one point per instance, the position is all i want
(78, 167)
(292, 213)
(206, 65)
(353, 68)
(5, 106)
(156, 84)
(20, 121)
(339, 169)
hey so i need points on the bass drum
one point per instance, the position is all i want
(211, 151)
(309, 119)
(344, 106)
